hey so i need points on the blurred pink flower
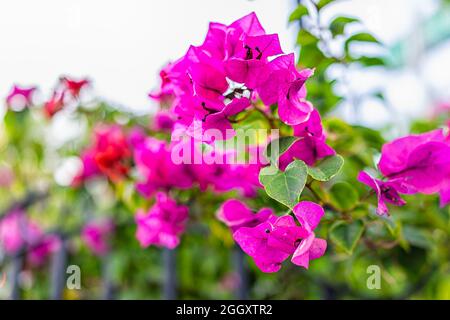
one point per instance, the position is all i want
(164, 120)
(163, 224)
(96, 236)
(20, 97)
(6, 177)
(18, 232)
(154, 163)
(74, 87)
(55, 104)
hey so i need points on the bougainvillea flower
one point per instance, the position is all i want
(284, 85)
(20, 97)
(312, 143)
(248, 24)
(164, 120)
(55, 104)
(74, 87)
(286, 235)
(422, 161)
(88, 170)
(153, 160)
(222, 41)
(207, 74)
(250, 58)
(386, 191)
(11, 237)
(308, 149)
(224, 174)
(272, 242)
(236, 214)
(255, 242)
(444, 192)
(310, 248)
(42, 249)
(206, 121)
(163, 224)
(96, 236)
(18, 232)
(111, 151)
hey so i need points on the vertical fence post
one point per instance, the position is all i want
(16, 268)
(109, 290)
(170, 274)
(58, 270)
(242, 273)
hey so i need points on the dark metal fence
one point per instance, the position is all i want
(60, 258)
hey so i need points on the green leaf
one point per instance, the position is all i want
(360, 37)
(343, 196)
(285, 187)
(337, 26)
(305, 38)
(298, 13)
(346, 236)
(279, 147)
(327, 168)
(322, 3)
(417, 237)
(370, 61)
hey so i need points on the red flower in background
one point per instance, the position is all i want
(55, 104)
(74, 87)
(110, 155)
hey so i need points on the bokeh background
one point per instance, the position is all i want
(122, 45)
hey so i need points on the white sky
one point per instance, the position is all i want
(121, 45)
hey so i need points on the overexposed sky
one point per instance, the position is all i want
(122, 44)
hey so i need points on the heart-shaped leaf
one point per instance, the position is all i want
(327, 168)
(277, 147)
(346, 236)
(285, 187)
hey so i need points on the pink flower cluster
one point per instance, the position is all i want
(311, 145)
(270, 239)
(234, 66)
(17, 232)
(154, 161)
(412, 164)
(163, 224)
